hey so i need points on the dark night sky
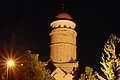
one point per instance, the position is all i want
(28, 21)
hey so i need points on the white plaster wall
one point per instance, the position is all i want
(58, 74)
(67, 67)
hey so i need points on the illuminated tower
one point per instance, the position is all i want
(63, 43)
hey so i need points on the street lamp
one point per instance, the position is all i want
(10, 64)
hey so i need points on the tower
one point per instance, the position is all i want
(63, 43)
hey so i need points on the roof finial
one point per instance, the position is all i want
(63, 7)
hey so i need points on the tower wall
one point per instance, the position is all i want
(63, 45)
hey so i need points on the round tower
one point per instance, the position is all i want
(63, 42)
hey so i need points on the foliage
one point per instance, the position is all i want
(2, 69)
(88, 75)
(110, 62)
(32, 68)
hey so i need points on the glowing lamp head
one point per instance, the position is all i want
(10, 63)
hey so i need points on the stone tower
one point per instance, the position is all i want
(63, 43)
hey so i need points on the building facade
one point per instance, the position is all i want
(63, 49)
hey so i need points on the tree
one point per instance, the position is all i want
(2, 70)
(110, 62)
(88, 75)
(32, 69)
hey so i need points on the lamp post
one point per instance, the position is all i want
(10, 64)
